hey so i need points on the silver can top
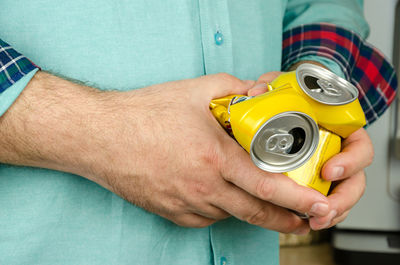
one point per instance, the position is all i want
(324, 86)
(284, 142)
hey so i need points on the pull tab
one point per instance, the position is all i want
(327, 88)
(280, 143)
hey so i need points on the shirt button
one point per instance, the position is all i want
(224, 261)
(219, 38)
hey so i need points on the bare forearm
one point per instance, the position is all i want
(158, 147)
(49, 125)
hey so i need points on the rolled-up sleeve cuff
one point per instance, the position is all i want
(15, 73)
(8, 96)
(361, 64)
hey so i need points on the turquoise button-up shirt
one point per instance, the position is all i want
(51, 217)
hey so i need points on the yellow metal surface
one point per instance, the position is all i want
(342, 120)
(247, 117)
(309, 174)
(243, 120)
(219, 108)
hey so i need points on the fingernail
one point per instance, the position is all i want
(319, 209)
(258, 89)
(337, 172)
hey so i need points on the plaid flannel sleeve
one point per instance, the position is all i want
(363, 65)
(13, 67)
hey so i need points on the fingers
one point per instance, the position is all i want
(357, 153)
(268, 77)
(210, 211)
(343, 197)
(347, 193)
(258, 89)
(191, 220)
(339, 219)
(275, 188)
(324, 222)
(261, 84)
(257, 212)
(223, 84)
(201, 214)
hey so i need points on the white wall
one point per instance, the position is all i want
(379, 209)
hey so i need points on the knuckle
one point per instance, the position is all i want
(211, 156)
(225, 76)
(339, 219)
(257, 218)
(340, 209)
(191, 221)
(222, 216)
(342, 217)
(266, 189)
(203, 223)
(175, 205)
(200, 188)
(230, 79)
(267, 77)
(182, 222)
(263, 77)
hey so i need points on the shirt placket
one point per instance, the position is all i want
(216, 36)
(216, 40)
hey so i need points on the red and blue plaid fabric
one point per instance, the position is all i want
(13, 66)
(363, 65)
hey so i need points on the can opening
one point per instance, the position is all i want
(299, 137)
(284, 142)
(324, 86)
(311, 83)
(317, 85)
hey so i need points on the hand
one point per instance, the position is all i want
(260, 86)
(158, 147)
(347, 168)
(179, 163)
